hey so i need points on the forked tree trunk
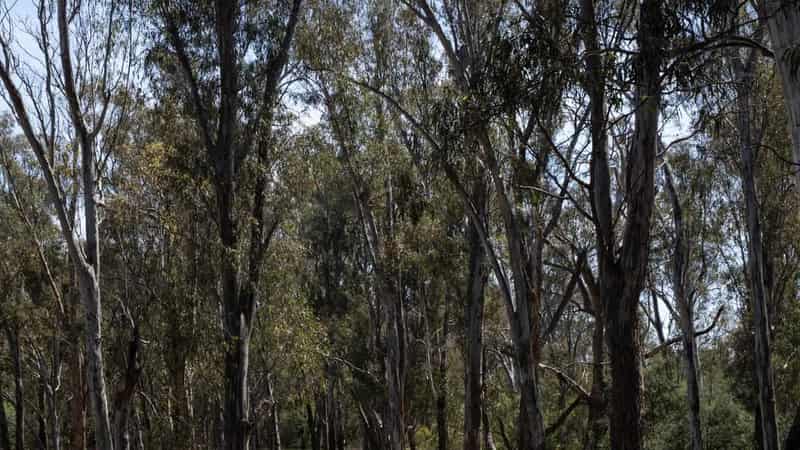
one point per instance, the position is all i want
(595, 86)
(622, 272)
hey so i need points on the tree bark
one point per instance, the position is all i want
(488, 438)
(596, 423)
(595, 86)
(782, 20)
(745, 77)
(5, 436)
(683, 293)
(12, 336)
(51, 396)
(441, 398)
(473, 368)
(77, 407)
(123, 401)
(88, 266)
(622, 272)
(181, 411)
(274, 425)
(41, 420)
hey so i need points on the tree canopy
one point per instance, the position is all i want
(400, 224)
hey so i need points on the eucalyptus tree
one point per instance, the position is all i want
(489, 74)
(622, 262)
(23, 193)
(223, 41)
(743, 68)
(688, 275)
(781, 19)
(86, 92)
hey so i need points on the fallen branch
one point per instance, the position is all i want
(582, 392)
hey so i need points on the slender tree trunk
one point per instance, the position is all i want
(530, 423)
(123, 401)
(90, 293)
(488, 438)
(441, 400)
(313, 428)
(274, 431)
(596, 423)
(393, 417)
(477, 278)
(87, 267)
(54, 434)
(595, 86)
(19, 387)
(175, 360)
(77, 406)
(692, 383)
(341, 440)
(745, 73)
(684, 297)
(41, 421)
(5, 437)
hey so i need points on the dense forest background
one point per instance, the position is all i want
(400, 224)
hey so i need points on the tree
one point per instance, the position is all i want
(88, 114)
(228, 152)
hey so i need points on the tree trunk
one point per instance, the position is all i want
(488, 438)
(19, 388)
(41, 421)
(176, 365)
(782, 20)
(477, 278)
(692, 376)
(313, 428)
(793, 436)
(88, 265)
(622, 334)
(530, 423)
(77, 406)
(237, 425)
(54, 434)
(393, 416)
(683, 294)
(123, 401)
(596, 424)
(90, 294)
(745, 73)
(5, 437)
(622, 277)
